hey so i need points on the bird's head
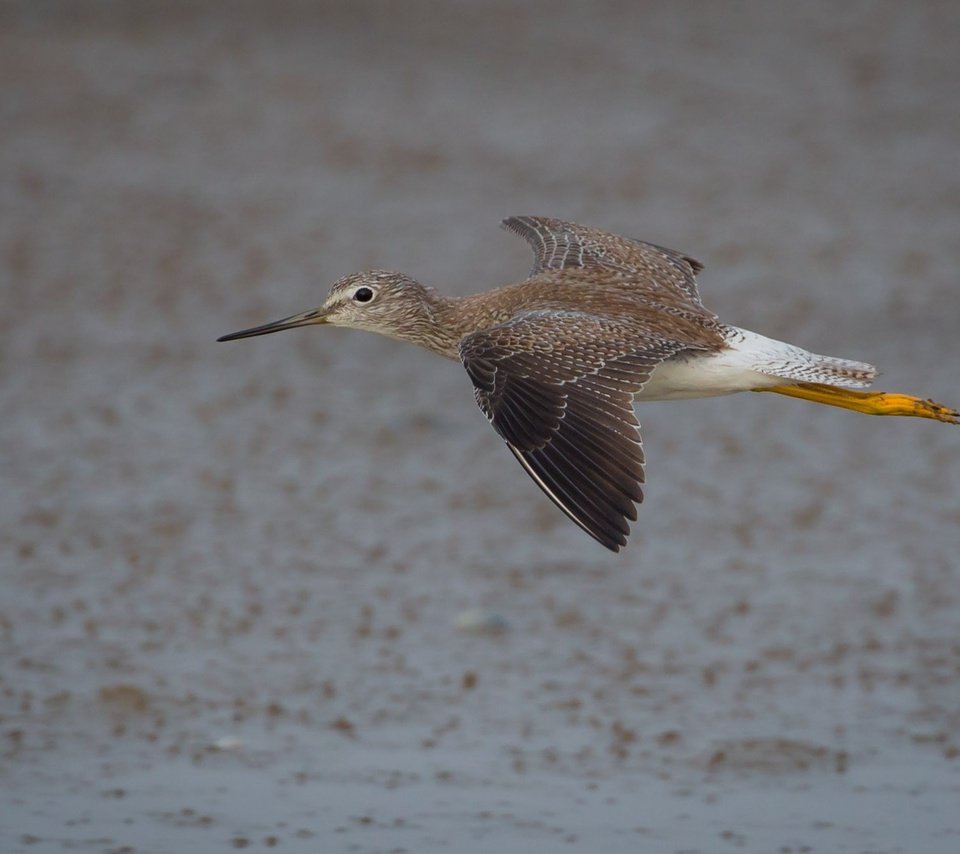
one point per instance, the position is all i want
(377, 300)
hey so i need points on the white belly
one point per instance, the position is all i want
(705, 375)
(750, 361)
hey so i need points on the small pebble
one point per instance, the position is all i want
(480, 622)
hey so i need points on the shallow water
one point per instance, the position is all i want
(232, 573)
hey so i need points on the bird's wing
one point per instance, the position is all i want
(559, 245)
(558, 387)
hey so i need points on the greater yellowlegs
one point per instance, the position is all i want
(558, 360)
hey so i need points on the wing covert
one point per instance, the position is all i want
(558, 387)
(558, 245)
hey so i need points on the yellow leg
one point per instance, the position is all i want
(869, 402)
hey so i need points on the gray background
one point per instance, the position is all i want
(231, 572)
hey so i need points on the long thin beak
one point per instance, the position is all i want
(306, 318)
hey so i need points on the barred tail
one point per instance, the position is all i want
(784, 361)
(829, 370)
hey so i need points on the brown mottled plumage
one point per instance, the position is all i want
(557, 360)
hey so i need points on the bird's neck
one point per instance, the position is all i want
(437, 327)
(442, 322)
(457, 317)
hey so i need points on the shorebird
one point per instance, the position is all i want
(558, 359)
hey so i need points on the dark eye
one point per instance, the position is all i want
(363, 294)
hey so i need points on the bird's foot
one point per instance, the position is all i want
(870, 402)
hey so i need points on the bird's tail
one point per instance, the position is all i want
(779, 360)
(828, 380)
(806, 367)
(837, 382)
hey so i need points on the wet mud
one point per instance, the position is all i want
(293, 593)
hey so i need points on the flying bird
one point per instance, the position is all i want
(558, 360)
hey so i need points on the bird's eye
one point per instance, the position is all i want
(363, 294)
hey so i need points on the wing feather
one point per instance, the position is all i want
(558, 387)
(558, 245)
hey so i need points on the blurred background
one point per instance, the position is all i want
(293, 591)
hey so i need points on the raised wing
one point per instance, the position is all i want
(558, 387)
(559, 245)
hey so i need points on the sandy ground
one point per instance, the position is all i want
(231, 573)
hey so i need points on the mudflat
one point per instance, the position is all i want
(293, 592)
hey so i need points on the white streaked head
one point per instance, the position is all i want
(376, 300)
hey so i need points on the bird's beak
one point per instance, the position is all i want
(306, 318)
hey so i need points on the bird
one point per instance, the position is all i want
(558, 360)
